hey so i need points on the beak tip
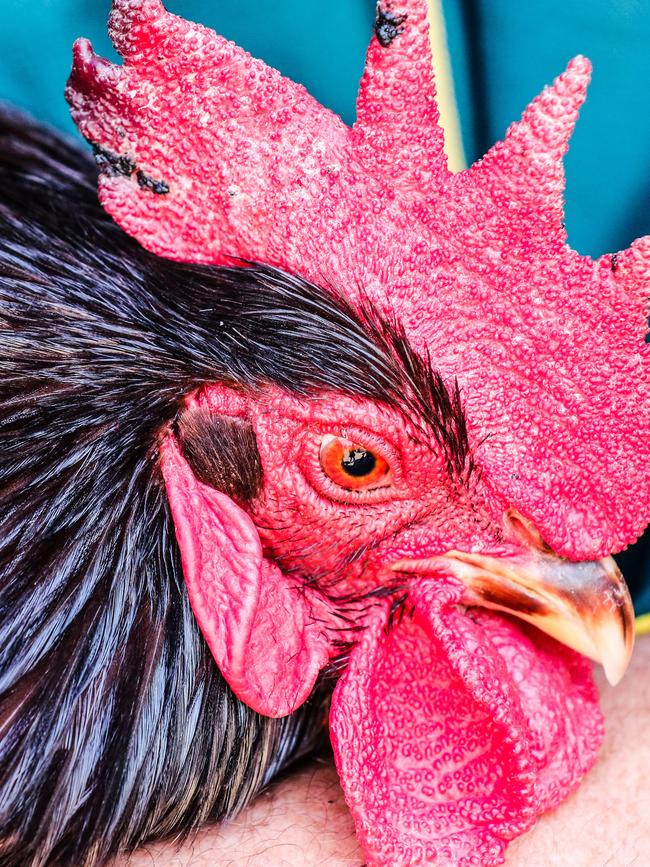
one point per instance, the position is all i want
(614, 672)
(615, 651)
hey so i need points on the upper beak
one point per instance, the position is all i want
(586, 605)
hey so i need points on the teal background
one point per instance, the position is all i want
(503, 52)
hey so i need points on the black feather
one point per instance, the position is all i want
(115, 724)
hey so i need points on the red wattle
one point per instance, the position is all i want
(454, 730)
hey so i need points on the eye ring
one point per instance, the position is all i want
(353, 466)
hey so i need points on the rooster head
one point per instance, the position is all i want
(497, 461)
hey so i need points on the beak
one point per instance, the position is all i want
(586, 606)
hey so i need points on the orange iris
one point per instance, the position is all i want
(351, 465)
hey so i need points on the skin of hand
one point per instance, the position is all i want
(302, 820)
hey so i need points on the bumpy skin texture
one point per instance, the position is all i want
(452, 730)
(207, 156)
(461, 744)
(547, 345)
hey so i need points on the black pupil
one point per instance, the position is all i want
(358, 462)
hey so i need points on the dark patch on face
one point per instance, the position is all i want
(148, 183)
(388, 26)
(222, 452)
(614, 261)
(120, 164)
(117, 164)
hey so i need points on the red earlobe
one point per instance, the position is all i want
(268, 635)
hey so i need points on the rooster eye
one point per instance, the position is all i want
(352, 466)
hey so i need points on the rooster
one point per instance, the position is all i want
(380, 473)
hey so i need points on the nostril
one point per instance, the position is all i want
(525, 531)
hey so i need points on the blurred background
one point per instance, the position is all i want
(502, 53)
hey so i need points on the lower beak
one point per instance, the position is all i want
(586, 606)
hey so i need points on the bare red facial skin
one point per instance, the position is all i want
(452, 730)
(422, 511)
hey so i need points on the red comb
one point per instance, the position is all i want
(208, 154)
